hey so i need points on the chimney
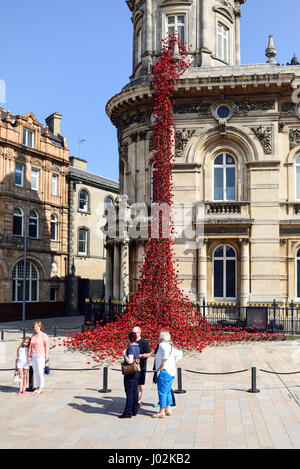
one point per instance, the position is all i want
(78, 163)
(53, 122)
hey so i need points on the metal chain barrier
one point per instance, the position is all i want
(180, 389)
(55, 331)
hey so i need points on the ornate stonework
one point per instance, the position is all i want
(288, 108)
(243, 107)
(239, 107)
(264, 135)
(294, 138)
(181, 139)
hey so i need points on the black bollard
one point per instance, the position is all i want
(253, 389)
(24, 333)
(105, 381)
(54, 331)
(179, 382)
(31, 387)
(2, 335)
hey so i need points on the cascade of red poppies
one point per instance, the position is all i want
(158, 302)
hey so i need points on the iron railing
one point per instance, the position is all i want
(259, 317)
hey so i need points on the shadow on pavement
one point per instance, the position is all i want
(9, 389)
(117, 402)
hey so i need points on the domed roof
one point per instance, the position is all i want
(295, 60)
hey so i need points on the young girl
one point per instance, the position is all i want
(22, 364)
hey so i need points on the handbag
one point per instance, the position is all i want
(47, 370)
(131, 368)
(16, 377)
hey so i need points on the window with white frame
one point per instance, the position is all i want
(33, 224)
(35, 179)
(139, 45)
(28, 137)
(224, 273)
(223, 43)
(54, 184)
(224, 177)
(32, 282)
(297, 171)
(83, 242)
(18, 221)
(19, 175)
(83, 201)
(176, 25)
(53, 227)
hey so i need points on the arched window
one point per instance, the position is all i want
(298, 178)
(33, 224)
(83, 201)
(83, 241)
(18, 221)
(224, 273)
(139, 45)
(32, 282)
(298, 273)
(224, 177)
(53, 227)
(108, 200)
(223, 43)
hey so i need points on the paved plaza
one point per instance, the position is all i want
(216, 412)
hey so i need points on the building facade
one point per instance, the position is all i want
(34, 161)
(89, 196)
(237, 157)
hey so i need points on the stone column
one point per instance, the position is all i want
(202, 271)
(207, 32)
(245, 272)
(237, 38)
(124, 281)
(116, 272)
(109, 273)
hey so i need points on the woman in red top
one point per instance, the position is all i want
(39, 354)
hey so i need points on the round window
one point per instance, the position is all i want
(223, 111)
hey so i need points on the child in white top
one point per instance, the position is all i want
(22, 364)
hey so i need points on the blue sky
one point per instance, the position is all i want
(72, 56)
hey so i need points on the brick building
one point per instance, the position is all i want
(34, 160)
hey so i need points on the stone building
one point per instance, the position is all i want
(34, 160)
(237, 156)
(89, 195)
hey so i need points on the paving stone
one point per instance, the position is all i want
(216, 412)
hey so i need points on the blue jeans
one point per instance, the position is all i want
(131, 389)
(164, 386)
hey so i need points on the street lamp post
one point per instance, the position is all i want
(24, 270)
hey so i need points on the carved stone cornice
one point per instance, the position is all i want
(264, 135)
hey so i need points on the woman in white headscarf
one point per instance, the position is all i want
(165, 367)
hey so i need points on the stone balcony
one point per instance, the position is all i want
(225, 209)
